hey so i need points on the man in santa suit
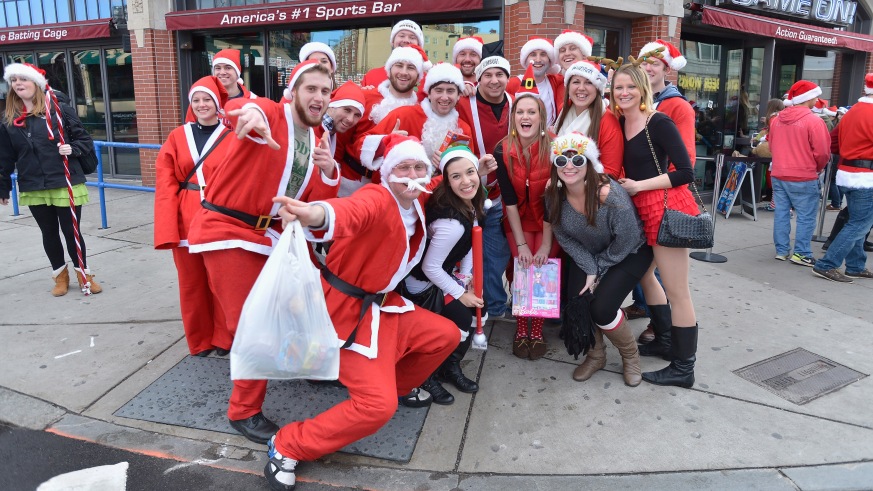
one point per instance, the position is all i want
(343, 113)
(404, 33)
(182, 169)
(392, 346)
(236, 230)
(431, 120)
(571, 47)
(466, 55)
(540, 53)
(668, 99)
(487, 111)
(404, 68)
(854, 134)
(226, 67)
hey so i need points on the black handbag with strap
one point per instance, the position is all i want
(680, 229)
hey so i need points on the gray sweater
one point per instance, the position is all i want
(618, 232)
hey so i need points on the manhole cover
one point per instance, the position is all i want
(799, 376)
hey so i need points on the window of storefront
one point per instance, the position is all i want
(611, 36)
(16, 13)
(818, 68)
(357, 51)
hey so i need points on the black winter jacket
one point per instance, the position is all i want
(36, 158)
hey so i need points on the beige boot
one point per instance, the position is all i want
(95, 287)
(594, 360)
(623, 339)
(62, 281)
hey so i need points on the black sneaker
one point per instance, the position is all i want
(416, 398)
(832, 274)
(279, 470)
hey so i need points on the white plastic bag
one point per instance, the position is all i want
(284, 330)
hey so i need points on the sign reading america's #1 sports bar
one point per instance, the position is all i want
(308, 11)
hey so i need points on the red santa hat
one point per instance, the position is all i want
(472, 42)
(492, 62)
(316, 47)
(868, 84)
(670, 55)
(444, 72)
(407, 25)
(398, 148)
(28, 71)
(821, 107)
(211, 86)
(410, 54)
(229, 57)
(802, 91)
(348, 94)
(588, 70)
(295, 74)
(581, 144)
(544, 44)
(585, 43)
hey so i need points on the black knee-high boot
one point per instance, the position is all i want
(450, 370)
(662, 319)
(839, 223)
(680, 371)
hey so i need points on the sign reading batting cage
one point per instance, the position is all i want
(308, 11)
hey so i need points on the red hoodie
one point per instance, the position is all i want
(800, 144)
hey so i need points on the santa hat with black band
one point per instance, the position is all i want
(585, 43)
(802, 91)
(295, 74)
(229, 57)
(316, 47)
(471, 42)
(670, 55)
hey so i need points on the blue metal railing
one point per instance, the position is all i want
(100, 184)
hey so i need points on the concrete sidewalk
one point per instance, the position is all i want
(69, 363)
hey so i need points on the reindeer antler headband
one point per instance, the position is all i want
(648, 56)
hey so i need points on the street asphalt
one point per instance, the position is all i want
(69, 363)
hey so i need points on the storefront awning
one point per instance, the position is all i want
(309, 11)
(46, 33)
(782, 29)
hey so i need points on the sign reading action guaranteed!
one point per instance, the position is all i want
(307, 11)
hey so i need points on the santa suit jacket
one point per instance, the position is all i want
(174, 209)
(350, 178)
(487, 130)
(248, 178)
(412, 119)
(681, 112)
(371, 251)
(854, 135)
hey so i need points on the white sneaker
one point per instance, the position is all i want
(279, 470)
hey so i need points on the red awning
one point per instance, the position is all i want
(782, 29)
(46, 33)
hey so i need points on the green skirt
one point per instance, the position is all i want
(54, 197)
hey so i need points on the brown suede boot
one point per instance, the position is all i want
(95, 287)
(62, 282)
(594, 360)
(623, 339)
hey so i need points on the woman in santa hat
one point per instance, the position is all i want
(649, 133)
(523, 168)
(450, 215)
(182, 169)
(596, 224)
(30, 143)
(585, 111)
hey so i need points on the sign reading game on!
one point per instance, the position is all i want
(838, 12)
(308, 11)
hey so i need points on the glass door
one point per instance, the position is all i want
(122, 111)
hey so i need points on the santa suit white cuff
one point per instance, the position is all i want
(336, 171)
(327, 227)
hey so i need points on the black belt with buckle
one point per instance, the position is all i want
(864, 164)
(189, 185)
(358, 167)
(355, 292)
(259, 222)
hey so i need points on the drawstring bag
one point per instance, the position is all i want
(284, 330)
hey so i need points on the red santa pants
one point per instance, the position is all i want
(202, 318)
(232, 273)
(411, 346)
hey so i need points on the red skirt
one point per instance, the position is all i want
(650, 206)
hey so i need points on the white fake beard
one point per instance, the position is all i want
(389, 103)
(412, 184)
(436, 128)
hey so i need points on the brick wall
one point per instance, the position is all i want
(518, 28)
(647, 29)
(869, 67)
(156, 82)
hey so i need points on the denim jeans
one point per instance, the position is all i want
(495, 252)
(803, 196)
(849, 243)
(835, 194)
